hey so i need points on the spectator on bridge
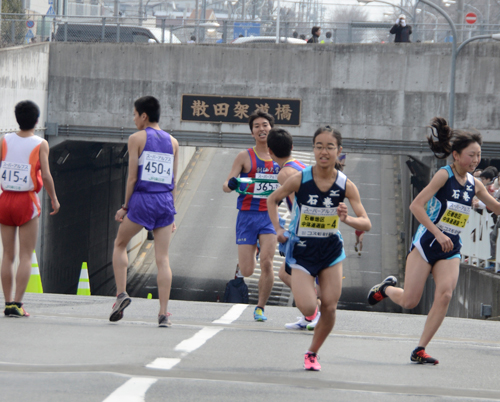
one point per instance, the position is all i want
(149, 202)
(316, 33)
(436, 245)
(25, 168)
(192, 39)
(253, 224)
(302, 36)
(328, 38)
(401, 30)
(295, 34)
(313, 243)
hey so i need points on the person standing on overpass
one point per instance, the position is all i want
(401, 31)
(149, 202)
(436, 245)
(253, 222)
(314, 246)
(24, 169)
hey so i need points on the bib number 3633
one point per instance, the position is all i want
(15, 176)
(157, 167)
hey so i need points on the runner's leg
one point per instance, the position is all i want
(284, 276)
(126, 231)
(268, 243)
(330, 280)
(27, 243)
(164, 279)
(246, 258)
(445, 273)
(9, 250)
(304, 292)
(417, 271)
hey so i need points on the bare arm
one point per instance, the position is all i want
(175, 145)
(284, 174)
(292, 185)
(361, 222)
(48, 182)
(237, 168)
(417, 207)
(486, 197)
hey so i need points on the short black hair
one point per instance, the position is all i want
(488, 174)
(280, 142)
(328, 34)
(27, 114)
(314, 30)
(149, 105)
(260, 113)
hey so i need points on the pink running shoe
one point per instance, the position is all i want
(311, 362)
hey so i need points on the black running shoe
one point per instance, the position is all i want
(377, 293)
(419, 356)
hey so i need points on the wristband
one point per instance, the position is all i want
(124, 208)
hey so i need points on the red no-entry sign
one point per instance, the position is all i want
(471, 18)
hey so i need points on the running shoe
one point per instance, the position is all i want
(359, 253)
(377, 293)
(258, 314)
(164, 321)
(419, 356)
(8, 307)
(311, 362)
(356, 249)
(15, 310)
(312, 324)
(122, 302)
(300, 324)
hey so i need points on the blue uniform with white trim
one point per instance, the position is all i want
(449, 210)
(315, 242)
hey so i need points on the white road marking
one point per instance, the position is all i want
(232, 315)
(163, 363)
(134, 390)
(197, 340)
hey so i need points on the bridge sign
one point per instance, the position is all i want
(471, 18)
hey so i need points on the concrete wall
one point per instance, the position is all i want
(24, 74)
(475, 287)
(388, 91)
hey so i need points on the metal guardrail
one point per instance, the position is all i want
(232, 140)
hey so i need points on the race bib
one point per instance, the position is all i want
(317, 222)
(454, 218)
(157, 167)
(15, 176)
(260, 188)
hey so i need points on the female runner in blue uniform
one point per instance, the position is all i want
(436, 245)
(315, 246)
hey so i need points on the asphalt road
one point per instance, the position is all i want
(69, 351)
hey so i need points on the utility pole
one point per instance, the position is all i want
(140, 12)
(461, 18)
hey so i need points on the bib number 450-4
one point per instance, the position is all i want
(157, 167)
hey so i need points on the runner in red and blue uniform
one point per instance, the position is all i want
(253, 223)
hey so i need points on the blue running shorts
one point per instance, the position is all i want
(251, 224)
(151, 210)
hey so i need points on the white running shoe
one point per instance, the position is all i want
(312, 324)
(300, 324)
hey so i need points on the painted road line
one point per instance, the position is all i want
(232, 315)
(197, 340)
(134, 390)
(163, 363)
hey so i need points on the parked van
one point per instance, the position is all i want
(85, 32)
